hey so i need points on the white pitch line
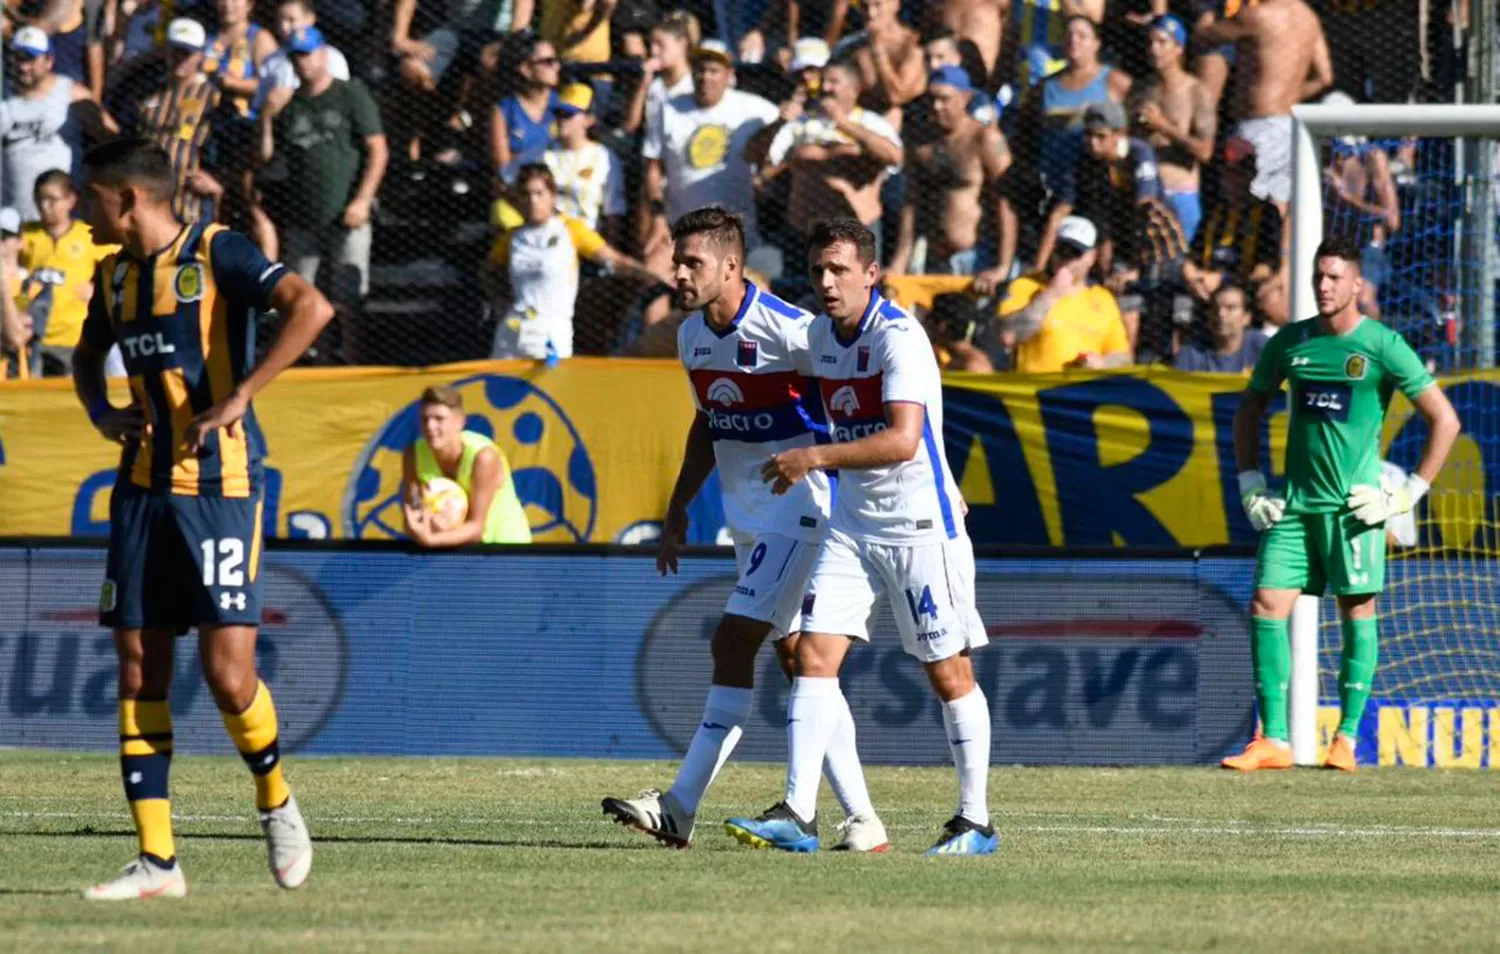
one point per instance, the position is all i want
(1197, 827)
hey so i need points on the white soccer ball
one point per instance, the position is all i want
(445, 501)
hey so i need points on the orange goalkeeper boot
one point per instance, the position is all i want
(1341, 754)
(1261, 753)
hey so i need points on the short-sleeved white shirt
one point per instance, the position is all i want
(542, 263)
(889, 360)
(702, 151)
(590, 182)
(753, 382)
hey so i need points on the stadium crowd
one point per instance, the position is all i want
(1053, 183)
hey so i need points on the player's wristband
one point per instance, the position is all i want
(1417, 487)
(98, 409)
(1251, 481)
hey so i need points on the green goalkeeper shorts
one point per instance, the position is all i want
(1322, 552)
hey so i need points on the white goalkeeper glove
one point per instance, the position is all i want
(1261, 506)
(1376, 505)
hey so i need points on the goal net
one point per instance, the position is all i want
(1431, 259)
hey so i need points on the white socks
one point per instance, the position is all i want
(968, 723)
(724, 716)
(841, 765)
(813, 714)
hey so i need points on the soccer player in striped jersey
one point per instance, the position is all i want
(185, 518)
(896, 531)
(745, 351)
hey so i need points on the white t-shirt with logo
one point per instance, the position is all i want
(702, 151)
(590, 182)
(542, 262)
(889, 360)
(753, 382)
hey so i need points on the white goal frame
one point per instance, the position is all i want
(1475, 171)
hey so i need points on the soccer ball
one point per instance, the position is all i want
(445, 502)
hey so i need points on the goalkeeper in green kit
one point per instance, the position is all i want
(1328, 531)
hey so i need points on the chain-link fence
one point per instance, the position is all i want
(1132, 158)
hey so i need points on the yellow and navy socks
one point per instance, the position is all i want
(255, 735)
(145, 762)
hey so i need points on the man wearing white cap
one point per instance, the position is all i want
(696, 155)
(31, 119)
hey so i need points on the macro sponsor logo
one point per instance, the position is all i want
(58, 688)
(1085, 664)
(854, 431)
(553, 472)
(726, 392)
(740, 421)
(844, 400)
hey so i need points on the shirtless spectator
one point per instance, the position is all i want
(1172, 110)
(1052, 118)
(943, 48)
(948, 177)
(1360, 204)
(981, 22)
(836, 155)
(1281, 59)
(666, 73)
(1240, 241)
(890, 60)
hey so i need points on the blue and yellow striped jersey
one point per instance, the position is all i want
(185, 323)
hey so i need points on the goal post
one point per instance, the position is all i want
(1475, 127)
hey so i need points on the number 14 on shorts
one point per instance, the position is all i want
(922, 605)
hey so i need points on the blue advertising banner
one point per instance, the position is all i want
(1092, 661)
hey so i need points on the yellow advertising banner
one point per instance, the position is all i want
(1100, 459)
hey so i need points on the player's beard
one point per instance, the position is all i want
(697, 299)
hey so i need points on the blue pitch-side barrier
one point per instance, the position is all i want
(589, 653)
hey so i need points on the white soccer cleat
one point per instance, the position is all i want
(141, 879)
(656, 814)
(862, 833)
(288, 843)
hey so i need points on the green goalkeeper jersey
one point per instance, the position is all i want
(1339, 388)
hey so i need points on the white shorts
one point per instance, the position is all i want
(930, 587)
(773, 578)
(1272, 138)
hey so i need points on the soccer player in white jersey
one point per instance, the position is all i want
(745, 351)
(897, 530)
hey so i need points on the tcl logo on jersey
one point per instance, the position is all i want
(146, 345)
(726, 392)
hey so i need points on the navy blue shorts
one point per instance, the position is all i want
(176, 562)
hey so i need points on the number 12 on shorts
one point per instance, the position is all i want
(923, 605)
(226, 571)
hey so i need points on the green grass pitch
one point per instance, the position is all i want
(464, 854)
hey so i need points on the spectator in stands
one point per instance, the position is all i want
(1240, 241)
(521, 124)
(978, 22)
(77, 31)
(698, 154)
(944, 48)
(57, 257)
(234, 55)
(666, 73)
(1055, 319)
(32, 118)
(1360, 204)
(784, 19)
(278, 76)
(1174, 113)
(809, 56)
(1036, 36)
(892, 66)
(1119, 189)
(1281, 59)
(334, 148)
(836, 156)
(443, 448)
(590, 180)
(1052, 120)
(531, 276)
(1234, 346)
(577, 29)
(957, 329)
(454, 38)
(948, 177)
(181, 115)
(15, 324)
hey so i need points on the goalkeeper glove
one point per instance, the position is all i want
(1376, 505)
(1261, 506)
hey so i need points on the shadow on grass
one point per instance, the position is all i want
(586, 845)
(39, 892)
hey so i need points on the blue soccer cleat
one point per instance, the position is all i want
(963, 837)
(778, 827)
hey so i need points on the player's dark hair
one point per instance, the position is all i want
(939, 33)
(449, 397)
(719, 225)
(1336, 246)
(136, 161)
(536, 170)
(53, 177)
(1093, 27)
(826, 232)
(850, 69)
(306, 5)
(1232, 287)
